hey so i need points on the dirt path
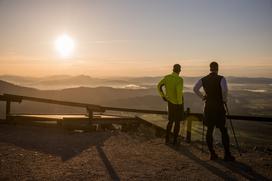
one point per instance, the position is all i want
(33, 153)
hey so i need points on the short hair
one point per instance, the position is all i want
(176, 68)
(213, 66)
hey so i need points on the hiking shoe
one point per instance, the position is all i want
(213, 156)
(229, 157)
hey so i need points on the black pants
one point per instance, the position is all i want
(225, 138)
(175, 115)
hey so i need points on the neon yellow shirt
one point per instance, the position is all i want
(173, 84)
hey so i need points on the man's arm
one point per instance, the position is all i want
(179, 90)
(197, 87)
(224, 88)
(160, 90)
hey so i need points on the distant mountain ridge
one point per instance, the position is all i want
(79, 94)
(250, 80)
(66, 81)
(241, 102)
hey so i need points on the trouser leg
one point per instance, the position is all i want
(176, 130)
(209, 138)
(225, 139)
(168, 130)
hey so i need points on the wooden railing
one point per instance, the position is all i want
(9, 98)
(17, 98)
(97, 108)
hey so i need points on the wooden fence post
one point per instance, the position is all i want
(189, 127)
(7, 109)
(90, 113)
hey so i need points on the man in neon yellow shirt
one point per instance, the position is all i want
(173, 95)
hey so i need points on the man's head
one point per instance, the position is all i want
(177, 68)
(214, 67)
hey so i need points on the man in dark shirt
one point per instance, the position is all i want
(216, 90)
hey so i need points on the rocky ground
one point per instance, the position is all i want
(35, 153)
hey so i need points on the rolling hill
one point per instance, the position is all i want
(240, 101)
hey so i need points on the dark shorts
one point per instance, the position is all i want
(215, 116)
(175, 112)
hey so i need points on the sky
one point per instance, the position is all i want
(136, 37)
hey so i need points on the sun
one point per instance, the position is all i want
(65, 45)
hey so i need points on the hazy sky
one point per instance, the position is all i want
(136, 37)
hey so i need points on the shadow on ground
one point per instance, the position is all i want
(237, 167)
(62, 143)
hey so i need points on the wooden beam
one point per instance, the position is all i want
(51, 101)
(135, 110)
(90, 114)
(159, 130)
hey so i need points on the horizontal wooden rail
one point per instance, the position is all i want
(18, 98)
(250, 118)
(135, 110)
(198, 115)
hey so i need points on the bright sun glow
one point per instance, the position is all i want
(64, 45)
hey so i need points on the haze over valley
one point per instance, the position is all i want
(248, 96)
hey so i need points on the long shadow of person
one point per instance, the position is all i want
(107, 163)
(216, 171)
(236, 167)
(57, 142)
(242, 169)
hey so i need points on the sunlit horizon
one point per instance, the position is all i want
(135, 38)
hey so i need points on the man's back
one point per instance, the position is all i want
(173, 86)
(212, 86)
(216, 91)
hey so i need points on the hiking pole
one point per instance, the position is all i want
(232, 128)
(203, 129)
(202, 149)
